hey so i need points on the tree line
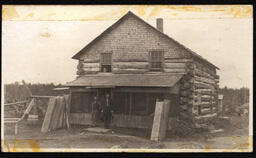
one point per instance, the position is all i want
(234, 97)
(18, 92)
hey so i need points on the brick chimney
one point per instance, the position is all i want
(159, 24)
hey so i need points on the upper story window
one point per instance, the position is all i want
(156, 60)
(106, 62)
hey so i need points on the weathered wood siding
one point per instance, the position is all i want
(126, 121)
(171, 65)
(198, 95)
(130, 44)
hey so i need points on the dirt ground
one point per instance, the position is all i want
(234, 136)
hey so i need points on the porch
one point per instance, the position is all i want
(134, 97)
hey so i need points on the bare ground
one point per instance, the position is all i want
(235, 136)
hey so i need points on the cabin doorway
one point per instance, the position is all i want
(102, 94)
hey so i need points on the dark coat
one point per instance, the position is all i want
(107, 111)
(107, 108)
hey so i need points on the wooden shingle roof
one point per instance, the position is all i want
(195, 55)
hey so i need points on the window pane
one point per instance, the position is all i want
(156, 59)
(106, 58)
(156, 56)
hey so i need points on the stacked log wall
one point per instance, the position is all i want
(186, 94)
(199, 94)
(175, 65)
(141, 66)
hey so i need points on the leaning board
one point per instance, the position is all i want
(160, 122)
(157, 121)
(48, 115)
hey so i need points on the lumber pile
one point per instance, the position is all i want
(57, 114)
(16, 121)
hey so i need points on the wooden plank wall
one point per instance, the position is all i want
(80, 118)
(127, 121)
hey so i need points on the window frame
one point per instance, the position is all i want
(160, 61)
(101, 61)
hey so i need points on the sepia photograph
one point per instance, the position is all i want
(127, 78)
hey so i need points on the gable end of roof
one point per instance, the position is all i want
(113, 26)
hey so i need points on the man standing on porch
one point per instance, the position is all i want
(107, 111)
(95, 111)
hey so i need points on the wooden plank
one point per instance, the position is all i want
(83, 89)
(200, 73)
(87, 60)
(143, 90)
(62, 108)
(147, 103)
(175, 65)
(200, 85)
(48, 115)
(11, 119)
(175, 70)
(131, 71)
(130, 109)
(177, 60)
(80, 118)
(21, 102)
(130, 60)
(205, 116)
(91, 65)
(59, 112)
(206, 99)
(120, 120)
(158, 117)
(130, 65)
(205, 91)
(67, 110)
(30, 106)
(56, 114)
(41, 96)
(204, 80)
(94, 69)
(164, 123)
(206, 110)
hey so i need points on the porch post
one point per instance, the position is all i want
(130, 103)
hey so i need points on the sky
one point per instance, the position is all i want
(39, 41)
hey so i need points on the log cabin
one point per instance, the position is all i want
(137, 64)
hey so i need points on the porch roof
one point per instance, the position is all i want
(126, 80)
